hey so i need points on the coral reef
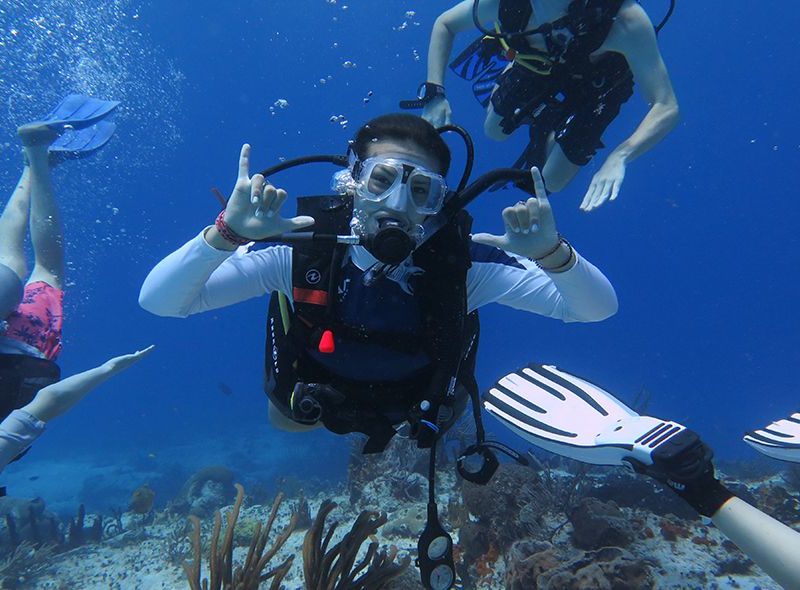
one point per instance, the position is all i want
(610, 568)
(80, 534)
(541, 566)
(335, 568)
(23, 562)
(27, 520)
(222, 575)
(510, 507)
(204, 492)
(597, 524)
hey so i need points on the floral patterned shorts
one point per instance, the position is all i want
(38, 320)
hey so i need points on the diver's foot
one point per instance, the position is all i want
(37, 134)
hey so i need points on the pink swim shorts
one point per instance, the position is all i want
(38, 320)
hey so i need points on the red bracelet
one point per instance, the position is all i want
(226, 232)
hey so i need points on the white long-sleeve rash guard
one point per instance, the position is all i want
(198, 277)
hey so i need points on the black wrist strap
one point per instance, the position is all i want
(426, 93)
(708, 499)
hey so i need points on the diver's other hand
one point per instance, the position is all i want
(437, 112)
(253, 210)
(120, 363)
(530, 226)
(605, 183)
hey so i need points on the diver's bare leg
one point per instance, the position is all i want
(14, 226)
(492, 125)
(558, 170)
(45, 221)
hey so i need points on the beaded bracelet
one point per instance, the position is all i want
(227, 233)
(562, 267)
(551, 252)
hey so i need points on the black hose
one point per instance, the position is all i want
(666, 18)
(329, 159)
(470, 152)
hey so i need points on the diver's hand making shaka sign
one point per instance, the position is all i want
(531, 232)
(253, 211)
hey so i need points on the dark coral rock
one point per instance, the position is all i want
(780, 504)
(610, 568)
(22, 519)
(755, 469)
(792, 477)
(526, 560)
(204, 492)
(734, 566)
(599, 524)
(642, 493)
(671, 530)
(510, 506)
(473, 540)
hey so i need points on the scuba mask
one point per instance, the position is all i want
(385, 179)
(394, 184)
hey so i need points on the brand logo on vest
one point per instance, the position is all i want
(274, 346)
(313, 276)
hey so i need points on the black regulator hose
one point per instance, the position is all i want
(337, 160)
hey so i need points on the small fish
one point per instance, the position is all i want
(225, 388)
(33, 478)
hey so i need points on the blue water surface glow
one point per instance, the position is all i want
(701, 245)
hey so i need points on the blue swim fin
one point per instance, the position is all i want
(82, 142)
(78, 111)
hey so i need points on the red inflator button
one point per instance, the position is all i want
(326, 344)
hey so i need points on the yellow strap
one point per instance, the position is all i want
(538, 64)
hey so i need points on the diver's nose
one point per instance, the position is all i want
(398, 200)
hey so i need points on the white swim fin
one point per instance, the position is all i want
(572, 417)
(779, 440)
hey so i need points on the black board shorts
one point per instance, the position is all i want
(577, 110)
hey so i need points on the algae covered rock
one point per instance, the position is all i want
(204, 492)
(599, 524)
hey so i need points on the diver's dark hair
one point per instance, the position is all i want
(403, 127)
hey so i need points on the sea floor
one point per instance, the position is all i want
(621, 532)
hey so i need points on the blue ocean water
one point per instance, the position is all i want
(701, 246)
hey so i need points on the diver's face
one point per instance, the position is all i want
(399, 207)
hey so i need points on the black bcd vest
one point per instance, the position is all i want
(449, 333)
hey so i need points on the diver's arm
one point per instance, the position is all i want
(549, 277)
(450, 23)
(56, 399)
(636, 40)
(581, 294)
(772, 545)
(206, 273)
(456, 20)
(198, 277)
(633, 36)
(18, 431)
(684, 464)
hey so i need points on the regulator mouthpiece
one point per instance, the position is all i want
(391, 244)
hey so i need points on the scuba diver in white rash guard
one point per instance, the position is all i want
(373, 321)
